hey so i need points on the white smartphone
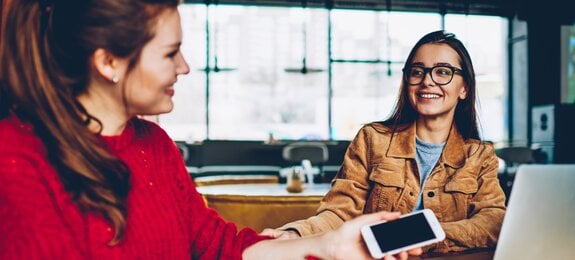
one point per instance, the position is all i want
(416, 229)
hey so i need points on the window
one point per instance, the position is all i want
(260, 86)
(489, 56)
(267, 93)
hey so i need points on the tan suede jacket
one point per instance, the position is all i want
(380, 173)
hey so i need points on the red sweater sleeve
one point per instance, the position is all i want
(166, 219)
(212, 237)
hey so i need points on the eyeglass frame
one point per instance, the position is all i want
(427, 70)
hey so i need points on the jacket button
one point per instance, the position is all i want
(431, 194)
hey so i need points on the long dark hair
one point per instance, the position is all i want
(44, 65)
(465, 113)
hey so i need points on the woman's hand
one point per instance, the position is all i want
(342, 243)
(346, 242)
(280, 234)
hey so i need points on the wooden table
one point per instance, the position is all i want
(262, 206)
(474, 254)
(270, 205)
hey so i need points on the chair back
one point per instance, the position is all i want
(515, 155)
(315, 152)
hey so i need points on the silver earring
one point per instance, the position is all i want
(115, 79)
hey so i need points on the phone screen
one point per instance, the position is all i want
(402, 232)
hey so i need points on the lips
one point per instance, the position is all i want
(170, 92)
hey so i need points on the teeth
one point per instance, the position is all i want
(429, 95)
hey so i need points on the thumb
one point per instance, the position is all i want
(379, 216)
(269, 232)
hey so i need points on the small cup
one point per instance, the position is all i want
(295, 180)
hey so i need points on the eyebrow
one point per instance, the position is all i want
(174, 45)
(443, 64)
(436, 64)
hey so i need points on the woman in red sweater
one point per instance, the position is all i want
(81, 175)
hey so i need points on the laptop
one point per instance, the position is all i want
(540, 218)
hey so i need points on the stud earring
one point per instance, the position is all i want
(115, 79)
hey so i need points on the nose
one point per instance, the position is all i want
(427, 80)
(182, 66)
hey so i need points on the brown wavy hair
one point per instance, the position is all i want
(44, 65)
(465, 112)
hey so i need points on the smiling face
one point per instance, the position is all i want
(429, 99)
(149, 87)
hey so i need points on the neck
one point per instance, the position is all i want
(433, 131)
(105, 107)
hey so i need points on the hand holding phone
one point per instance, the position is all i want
(413, 230)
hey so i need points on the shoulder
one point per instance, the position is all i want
(370, 132)
(18, 137)
(377, 136)
(13, 130)
(23, 157)
(383, 132)
(477, 148)
(471, 147)
(376, 128)
(472, 143)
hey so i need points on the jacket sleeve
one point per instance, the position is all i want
(486, 209)
(347, 196)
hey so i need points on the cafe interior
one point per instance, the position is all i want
(279, 88)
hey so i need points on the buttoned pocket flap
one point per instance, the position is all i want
(463, 185)
(388, 176)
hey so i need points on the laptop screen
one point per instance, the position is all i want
(540, 218)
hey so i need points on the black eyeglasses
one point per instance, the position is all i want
(441, 75)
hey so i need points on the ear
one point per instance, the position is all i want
(463, 93)
(106, 65)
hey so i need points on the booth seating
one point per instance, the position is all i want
(260, 206)
(234, 179)
(254, 161)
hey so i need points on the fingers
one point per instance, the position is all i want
(388, 257)
(415, 251)
(279, 234)
(379, 216)
(403, 255)
(287, 235)
(390, 215)
(267, 232)
(270, 232)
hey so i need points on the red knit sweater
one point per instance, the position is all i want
(167, 218)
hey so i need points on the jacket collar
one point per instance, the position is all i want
(402, 145)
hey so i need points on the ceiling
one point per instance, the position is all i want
(487, 7)
(559, 10)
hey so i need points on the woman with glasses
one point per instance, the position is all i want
(427, 154)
